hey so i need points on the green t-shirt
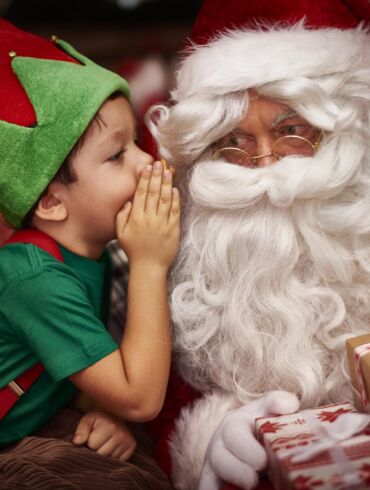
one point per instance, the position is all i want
(50, 313)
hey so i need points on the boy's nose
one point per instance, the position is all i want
(144, 159)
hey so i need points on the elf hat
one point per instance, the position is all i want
(49, 93)
(273, 41)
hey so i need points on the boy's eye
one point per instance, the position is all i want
(116, 156)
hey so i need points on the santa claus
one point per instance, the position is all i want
(269, 129)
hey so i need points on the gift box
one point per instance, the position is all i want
(324, 448)
(358, 353)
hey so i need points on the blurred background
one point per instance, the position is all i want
(108, 29)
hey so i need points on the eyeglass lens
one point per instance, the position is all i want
(284, 146)
(293, 136)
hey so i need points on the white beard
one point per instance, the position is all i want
(274, 274)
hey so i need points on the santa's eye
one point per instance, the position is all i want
(240, 140)
(300, 128)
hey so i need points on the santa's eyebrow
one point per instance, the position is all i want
(237, 131)
(284, 115)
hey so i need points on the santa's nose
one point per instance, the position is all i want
(265, 161)
(265, 158)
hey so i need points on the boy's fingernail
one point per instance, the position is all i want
(167, 174)
(149, 168)
(158, 165)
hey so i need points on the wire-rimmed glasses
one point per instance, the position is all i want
(288, 145)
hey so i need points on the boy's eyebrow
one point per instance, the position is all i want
(284, 115)
(113, 137)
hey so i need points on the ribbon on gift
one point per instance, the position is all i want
(329, 436)
(359, 352)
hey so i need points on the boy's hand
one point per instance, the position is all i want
(105, 434)
(149, 228)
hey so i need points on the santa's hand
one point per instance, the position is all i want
(234, 455)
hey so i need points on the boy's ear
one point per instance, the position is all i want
(50, 206)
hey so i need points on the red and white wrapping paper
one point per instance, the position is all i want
(324, 448)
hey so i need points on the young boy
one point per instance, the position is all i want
(70, 168)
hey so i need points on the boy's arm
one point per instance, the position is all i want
(146, 345)
(131, 382)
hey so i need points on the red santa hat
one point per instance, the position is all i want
(274, 41)
(215, 16)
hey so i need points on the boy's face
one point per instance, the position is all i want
(107, 166)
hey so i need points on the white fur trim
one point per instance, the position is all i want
(242, 59)
(193, 431)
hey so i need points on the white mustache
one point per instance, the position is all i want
(220, 185)
(216, 184)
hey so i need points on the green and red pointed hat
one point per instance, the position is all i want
(49, 93)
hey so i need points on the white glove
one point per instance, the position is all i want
(234, 455)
